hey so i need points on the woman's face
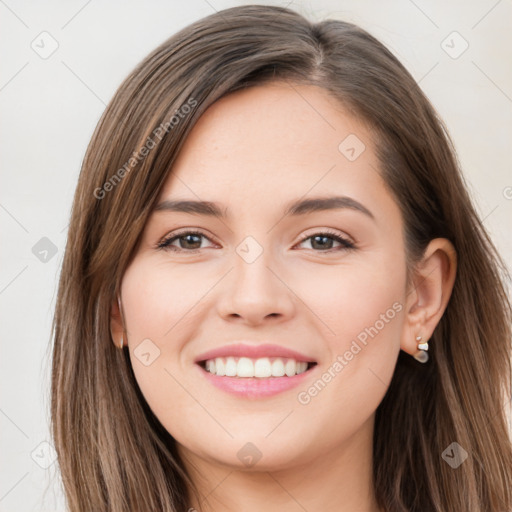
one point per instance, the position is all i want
(267, 290)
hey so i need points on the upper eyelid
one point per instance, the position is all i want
(185, 231)
(164, 242)
(330, 232)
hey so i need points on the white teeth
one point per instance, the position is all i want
(245, 367)
(302, 367)
(230, 367)
(278, 368)
(219, 367)
(263, 367)
(290, 368)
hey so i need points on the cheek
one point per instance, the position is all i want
(162, 306)
(362, 313)
(153, 305)
(158, 299)
(364, 310)
(361, 299)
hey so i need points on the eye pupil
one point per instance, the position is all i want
(322, 244)
(187, 238)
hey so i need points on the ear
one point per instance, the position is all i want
(116, 324)
(429, 293)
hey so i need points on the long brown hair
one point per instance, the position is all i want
(113, 452)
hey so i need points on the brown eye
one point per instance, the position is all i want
(324, 242)
(189, 241)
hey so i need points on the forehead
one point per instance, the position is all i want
(275, 141)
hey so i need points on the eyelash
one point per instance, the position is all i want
(165, 243)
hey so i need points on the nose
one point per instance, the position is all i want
(256, 292)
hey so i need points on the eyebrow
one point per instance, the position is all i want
(298, 207)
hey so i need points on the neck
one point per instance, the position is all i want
(337, 480)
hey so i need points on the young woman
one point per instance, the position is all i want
(276, 293)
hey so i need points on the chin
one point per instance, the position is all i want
(256, 455)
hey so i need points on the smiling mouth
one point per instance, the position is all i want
(263, 367)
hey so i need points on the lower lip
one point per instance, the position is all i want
(256, 387)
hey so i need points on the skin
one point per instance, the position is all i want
(254, 151)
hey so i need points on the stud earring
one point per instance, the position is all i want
(121, 344)
(421, 355)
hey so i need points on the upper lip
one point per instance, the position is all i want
(254, 352)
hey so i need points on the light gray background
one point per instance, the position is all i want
(50, 106)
